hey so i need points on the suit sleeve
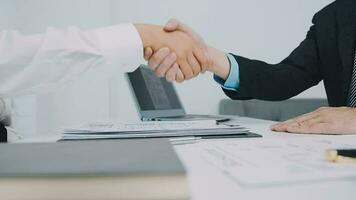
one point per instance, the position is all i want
(275, 82)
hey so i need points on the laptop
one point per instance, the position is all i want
(157, 99)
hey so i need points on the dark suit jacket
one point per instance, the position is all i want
(326, 54)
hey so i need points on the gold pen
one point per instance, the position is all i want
(341, 155)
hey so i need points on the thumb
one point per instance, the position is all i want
(172, 25)
(148, 52)
(176, 25)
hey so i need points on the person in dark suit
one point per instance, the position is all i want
(327, 54)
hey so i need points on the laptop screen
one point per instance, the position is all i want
(155, 96)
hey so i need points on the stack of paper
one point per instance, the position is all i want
(109, 130)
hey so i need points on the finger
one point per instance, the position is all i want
(304, 126)
(174, 25)
(186, 69)
(165, 65)
(312, 121)
(148, 53)
(317, 128)
(180, 76)
(172, 73)
(303, 117)
(282, 127)
(279, 127)
(195, 65)
(158, 57)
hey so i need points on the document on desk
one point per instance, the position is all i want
(109, 130)
(277, 161)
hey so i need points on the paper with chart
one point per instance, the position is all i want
(106, 130)
(278, 161)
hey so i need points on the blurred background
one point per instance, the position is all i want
(267, 30)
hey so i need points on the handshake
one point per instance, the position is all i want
(176, 52)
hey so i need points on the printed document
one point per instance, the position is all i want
(277, 161)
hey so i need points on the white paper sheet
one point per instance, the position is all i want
(278, 161)
(109, 130)
(148, 126)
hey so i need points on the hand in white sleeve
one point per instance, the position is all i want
(39, 62)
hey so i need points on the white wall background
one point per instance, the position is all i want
(267, 30)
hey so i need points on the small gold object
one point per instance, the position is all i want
(335, 157)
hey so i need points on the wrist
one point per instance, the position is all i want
(218, 63)
(147, 33)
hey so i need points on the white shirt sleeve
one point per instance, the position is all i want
(33, 63)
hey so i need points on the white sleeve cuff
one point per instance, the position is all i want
(121, 45)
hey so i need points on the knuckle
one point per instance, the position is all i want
(160, 73)
(152, 64)
(168, 62)
(164, 65)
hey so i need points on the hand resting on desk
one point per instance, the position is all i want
(325, 120)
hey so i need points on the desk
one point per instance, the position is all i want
(208, 183)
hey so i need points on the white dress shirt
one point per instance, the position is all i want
(33, 63)
(43, 62)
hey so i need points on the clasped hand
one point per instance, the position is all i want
(178, 53)
(174, 51)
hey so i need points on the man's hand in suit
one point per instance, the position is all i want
(214, 60)
(173, 50)
(326, 120)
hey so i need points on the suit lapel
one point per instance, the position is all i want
(346, 17)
